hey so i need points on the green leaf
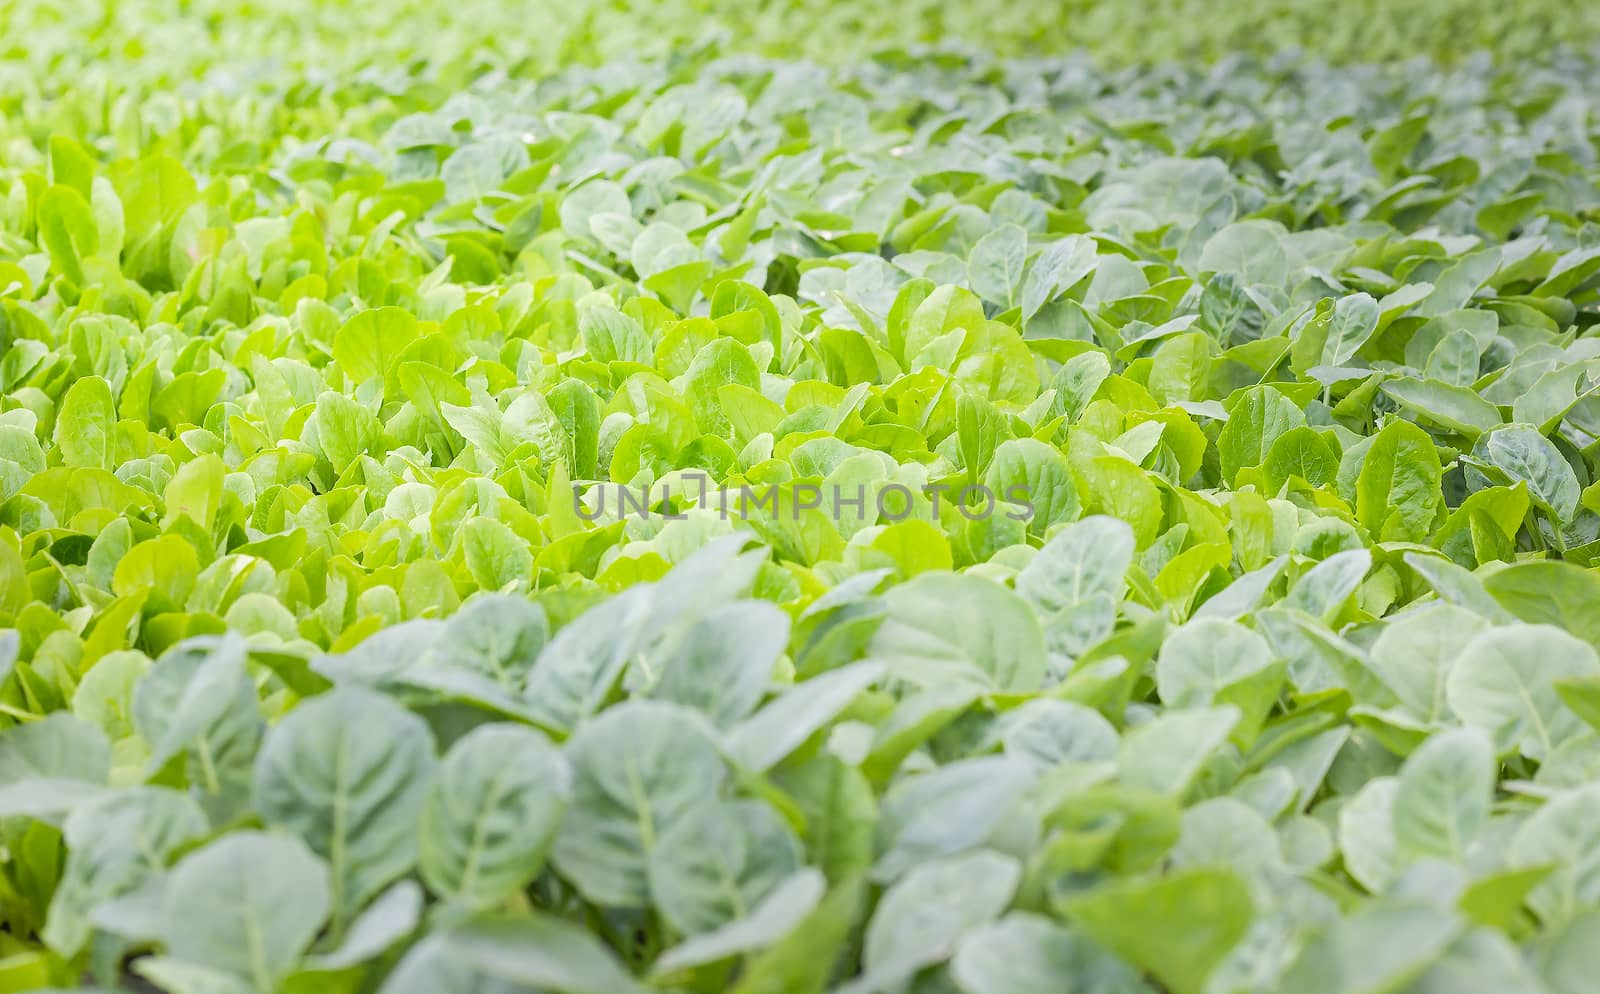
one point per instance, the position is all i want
(1179, 928)
(1367, 834)
(1381, 947)
(772, 733)
(1523, 454)
(723, 663)
(1551, 593)
(1562, 834)
(247, 905)
(717, 862)
(496, 556)
(840, 812)
(155, 190)
(721, 363)
(1504, 683)
(1252, 250)
(491, 813)
(1058, 267)
(163, 569)
(1415, 653)
(1077, 382)
(1327, 586)
(1082, 561)
(67, 228)
(86, 425)
(1351, 322)
(805, 959)
(391, 917)
(1151, 757)
(348, 771)
(638, 770)
(1445, 789)
(1300, 453)
(949, 626)
(995, 269)
(115, 842)
(923, 916)
(369, 343)
(946, 811)
(1028, 954)
(1398, 493)
(776, 915)
(430, 966)
(538, 952)
(1570, 958)
(1254, 424)
(56, 746)
(1205, 656)
(611, 336)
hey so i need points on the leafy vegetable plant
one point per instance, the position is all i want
(602, 506)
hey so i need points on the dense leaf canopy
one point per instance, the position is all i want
(874, 498)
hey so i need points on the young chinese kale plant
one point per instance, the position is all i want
(694, 498)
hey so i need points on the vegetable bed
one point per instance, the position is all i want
(864, 499)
